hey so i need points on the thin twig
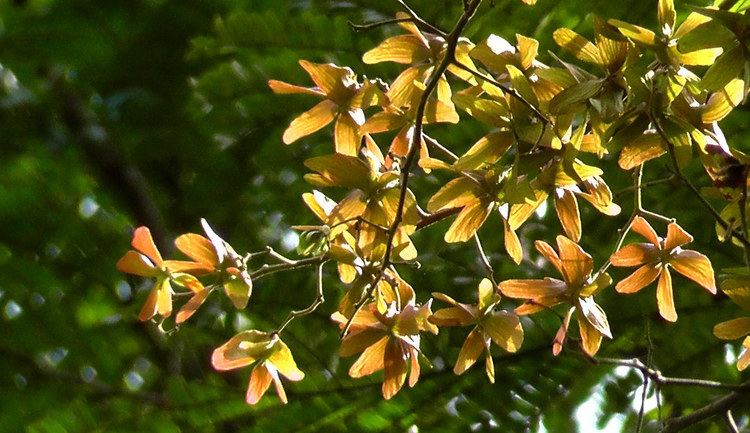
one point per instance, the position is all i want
(637, 208)
(434, 143)
(667, 179)
(658, 378)
(639, 424)
(718, 406)
(436, 217)
(420, 22)
(376, 24)
(317, 302)
(271, 252)
(731, 424)
(266, 270)
(485, 259)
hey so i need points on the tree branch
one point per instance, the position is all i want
(657, 377)
(718, 406)
(430, 86)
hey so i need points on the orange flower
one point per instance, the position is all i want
(738, 289)
(344, 99)
(577, 288)
(372, 201)
(655, 258)
(145, 260)
(387, 340)
(270, 356)
(214, 254)
(423, 51)
(501, 327)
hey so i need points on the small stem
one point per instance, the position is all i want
(434, 143)
(637, 209)
(279, 257)
(639, 424)
(657, 377)
(420, 22)
(718, 406)
(646, 184)
(485, 259)
(440, 215)
(317, 302)
(376, 24)
(731, 424)
(266, 270)
(656, 216)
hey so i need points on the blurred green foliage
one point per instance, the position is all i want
(120, 113)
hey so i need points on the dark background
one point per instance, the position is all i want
(115, 114)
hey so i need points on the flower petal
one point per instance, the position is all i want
(370, 361)
(738, 290)
(282, 88)
(326, 76)
(744, 359)
(164, 297)
(136, 263)
(676, 236)
(643, 228)
(512, 243)
(595, 315)
(405, 49)
(282, 360)
(634, 255)
(260, 380)
(415, 369)
(550, 254)
(347, 135)
(278, 386)
(198, 248)
(241, 350)
(238, 289)
(395, 366)
(562, 333)
(576, 263)
(665, 297)
(143, 242)
(566, 207)
(149, 307)
(639, 279)
(733, 329)
(695, 266)
(457, 192)
(191, 306)
(310, 121)
(533, 289)
(505, 330)
(591, 338)
(468, 221)
(356, 342)
(452, 316)
(471, 349)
